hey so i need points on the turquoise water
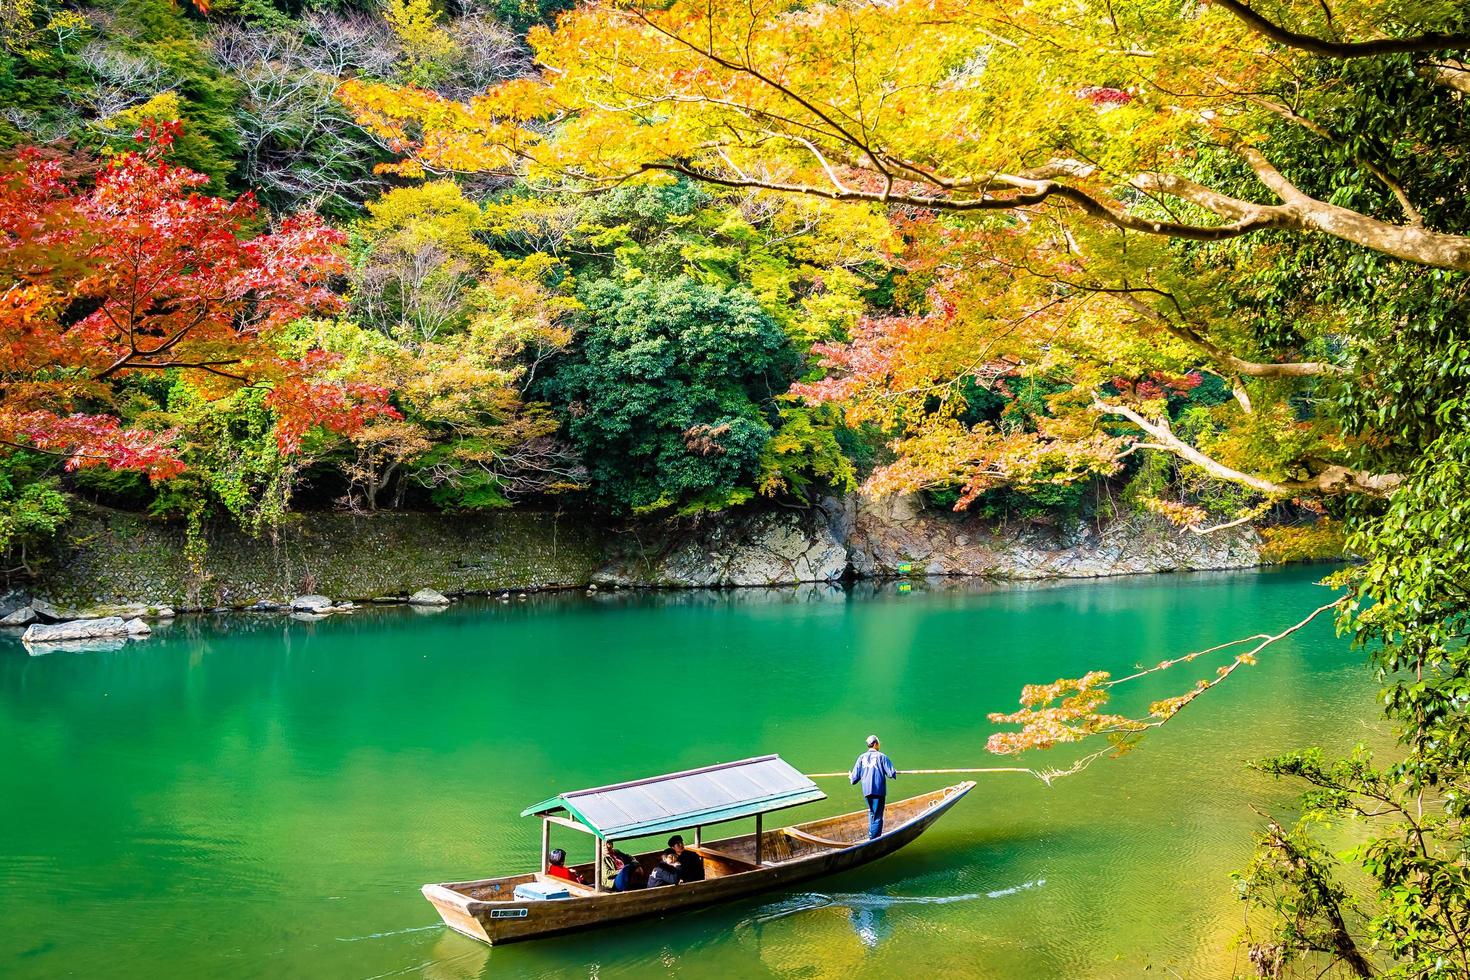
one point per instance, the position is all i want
(258, 797)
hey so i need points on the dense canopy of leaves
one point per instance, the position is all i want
(1114, 203)
(665, 395)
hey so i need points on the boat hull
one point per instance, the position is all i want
(463, 907)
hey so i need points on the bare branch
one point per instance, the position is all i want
(1387, 179)
(1302, 212)
(1455, 74)
(1249, 516)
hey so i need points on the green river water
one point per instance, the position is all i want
(249, 796)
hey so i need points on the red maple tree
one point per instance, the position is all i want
(131, 269)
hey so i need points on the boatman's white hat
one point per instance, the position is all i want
(872, 740)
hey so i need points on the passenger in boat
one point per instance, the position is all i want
(873, 769)
(691, 865)
(630, 876)
(666, 872)
(557, 867)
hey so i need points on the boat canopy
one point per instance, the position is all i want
(685, 799)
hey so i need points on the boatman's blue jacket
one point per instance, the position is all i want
(873, 769)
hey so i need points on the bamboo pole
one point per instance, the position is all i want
(927, 772)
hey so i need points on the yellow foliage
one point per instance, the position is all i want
(434, 213)
(163, 107)
(426, 45)
(1322, 540)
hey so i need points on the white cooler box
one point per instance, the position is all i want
(540, 891)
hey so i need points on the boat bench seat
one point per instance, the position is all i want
(807, 838)
(717, 864)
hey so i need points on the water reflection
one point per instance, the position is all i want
(867, 912)
(454, 957)
(213, 625)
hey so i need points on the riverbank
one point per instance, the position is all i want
(114, 562)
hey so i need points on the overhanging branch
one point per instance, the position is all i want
(1045, 191)
(1416, 44)
(1235, 365)
(1331, 480)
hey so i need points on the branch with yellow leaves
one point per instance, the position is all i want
(1229, 362)
(1069, 711)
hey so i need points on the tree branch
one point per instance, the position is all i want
(1250, 515)
(1417, 44)
(1387, 179)
(1237, 365)
(1046, 189)
(1455, 74)
(212, 367)
(1302, 212)
(1330, 481)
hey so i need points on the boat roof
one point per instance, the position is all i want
(691, 798)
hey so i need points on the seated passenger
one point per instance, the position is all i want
(691, 865)
(666, 872)
(630, 875)
(557, 867)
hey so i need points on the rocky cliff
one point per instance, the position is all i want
(117, 558)
(885, 533)
(868, 537)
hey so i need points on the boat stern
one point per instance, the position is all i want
(455, 909)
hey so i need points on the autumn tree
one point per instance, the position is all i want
(117, 273)
(463, 436)
(1079, 118)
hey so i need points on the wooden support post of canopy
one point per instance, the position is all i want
(757, 840)
(547, 821)
(597, 864)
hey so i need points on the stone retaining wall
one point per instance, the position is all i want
(115, 558)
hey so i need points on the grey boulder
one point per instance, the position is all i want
(22, 616)
(46, 610)
(428, 597)
(84, 629)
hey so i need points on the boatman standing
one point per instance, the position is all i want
(873, 769)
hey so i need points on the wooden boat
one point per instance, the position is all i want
(735, 867)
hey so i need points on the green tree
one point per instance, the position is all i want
(33, 508)
(669, 396)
